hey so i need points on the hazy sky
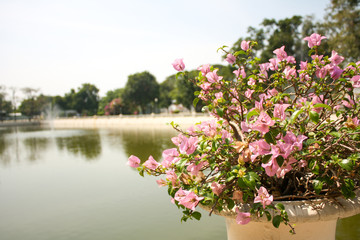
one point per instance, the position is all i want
(58, 45)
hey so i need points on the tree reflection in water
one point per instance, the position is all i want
(142, 142)
(87, 145)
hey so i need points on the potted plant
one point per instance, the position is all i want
(284, 142)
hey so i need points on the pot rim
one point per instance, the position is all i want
(304, 210)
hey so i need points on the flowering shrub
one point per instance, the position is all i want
(281, 131)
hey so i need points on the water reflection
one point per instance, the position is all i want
(142, 142)
(30, 144)
(88, 146)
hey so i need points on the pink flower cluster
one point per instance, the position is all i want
(284, 147)
(187, 198)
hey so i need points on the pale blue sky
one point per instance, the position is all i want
(58, 45)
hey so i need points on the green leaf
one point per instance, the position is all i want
(295, 115)
(230, 203)
(195, 102)
(196, 215)
(280, 206)
(179, 74)
(323, 106)
(318, 185)
(347, 188)
(250, 180)
(252, 113)
(335, 134)
(346, 164)
(276, 221)
(219, 112)
(314, 116)
(280, 160)
(266, 158)
(269, 138)
(221, 48)
(268, 215)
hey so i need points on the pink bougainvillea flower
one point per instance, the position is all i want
(263, 123)
(213, 77)
(133, 161)
(248, 93)
(281, 149)
(336, 58)
(356, 81)
(279, 111)
(321, 72)
(280, 53)
(314, 39)
(285, 168)
(194, 168)
(178, 64)
(270, 167)
(289, 72)
(273, 64)
(263, 197)
(190, 200)
(335, 71)
(296, 142)
(272, 92)
(170, 156)
(180, 194)
(171, 176)
(204, 69)
(151, 163)
(230, 58)
(217, 188)
(303, 65)
(245, 45)
(161, 182)
(242, 217)
(251, 82)
(240, 72)
(187, 145)
(259, 148)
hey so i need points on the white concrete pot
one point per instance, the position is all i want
(312, 220)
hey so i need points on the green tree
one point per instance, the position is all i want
(108, 98)
(140, 91)
(166, 95)
(5, 106)
(342, 26)
(85, 101)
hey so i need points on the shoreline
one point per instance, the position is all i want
(129, 121)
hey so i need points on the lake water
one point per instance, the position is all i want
(75, 184)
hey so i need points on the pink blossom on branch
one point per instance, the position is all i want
(355, 81)
(133, 161)
(151, 164)
(242, 217)
(263, 197)
(279, 111)
(213, 77)
(280, 53)
(217, 188)
(314, 39)
(263, 123)
(204, 69)
(245, 45)
(230, 58)
(178, 64)
(170, 156)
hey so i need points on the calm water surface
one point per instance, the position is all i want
(75, 184)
